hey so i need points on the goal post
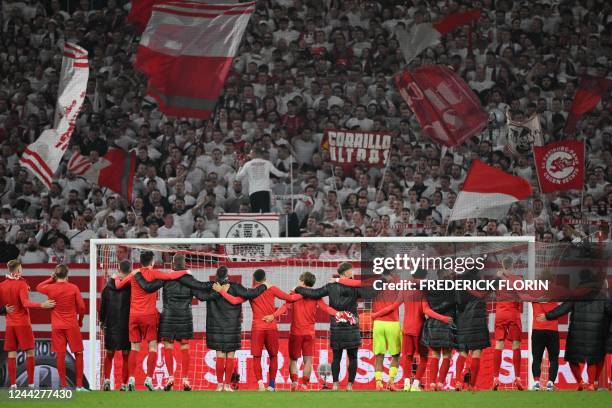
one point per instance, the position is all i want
(283, 257)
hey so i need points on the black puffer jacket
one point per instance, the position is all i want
(588, 328)
(341, 298)
(223, 320)
(115, 316)
(609, 341)
(176, 320)
(437, 334)
(472, 329)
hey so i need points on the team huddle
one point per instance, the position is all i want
(434, 324)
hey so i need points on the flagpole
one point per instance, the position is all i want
(384, 173)
(338, 208)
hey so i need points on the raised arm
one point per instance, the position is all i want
(326, 308)
(234, 300)
(43, 287)
(313, 293)
(239, 290)
(277, 292)
(194, 284)
(119, 283)
(433, 314)
(386, 310)
(172, 275)
(563, 309)
(147, 286)
(25, 300)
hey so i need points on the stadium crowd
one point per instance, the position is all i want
(304, 66)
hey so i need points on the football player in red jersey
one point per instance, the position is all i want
(18, 336)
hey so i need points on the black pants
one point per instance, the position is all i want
(260, 202)
(352, 360)
(549, 340)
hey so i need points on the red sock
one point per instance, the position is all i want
(474, 368)
(257, 368)
(108, 364)
(305, 380)
(598, 369)
(459, 368)
(125, 367)
(293, 377)
(169, 357)
(12, 369)
(576, 371)
(133, 360)
(61, 367)
(408, 367)
(273, 369)
(444, 370)
(230, 363)
(497, 358)
(592, 372)
(185, 360)
(30, 364)
(151, 362)
(79, 369)
(516, 361)
(220, 368)
(433, 368)
(421, 368)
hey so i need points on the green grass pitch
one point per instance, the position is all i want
(242, 399)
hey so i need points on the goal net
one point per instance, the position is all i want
(284, 260)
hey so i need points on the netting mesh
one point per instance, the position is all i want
(283, 264)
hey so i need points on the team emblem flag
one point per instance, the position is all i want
(522, 135)
(488, 192)
(560, 166)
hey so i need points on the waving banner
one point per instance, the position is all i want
(446, 108)
(523, 135)
(366, 148)
(560, 166)
(43, 156)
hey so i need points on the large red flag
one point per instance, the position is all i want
(187, 51)
(453, 21)
(589, 93)
(446, 108)
(560, 165)
(488, 192)
(141, 10)
(114, 170)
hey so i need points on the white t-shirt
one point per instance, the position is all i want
(258, 173)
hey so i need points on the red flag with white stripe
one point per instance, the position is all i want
(114, 170)
(488, 192)
(43, 156)
(187, 51)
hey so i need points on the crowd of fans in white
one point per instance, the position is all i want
(303, 67)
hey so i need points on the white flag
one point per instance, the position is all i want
(523, 135)
(421, 36)
(43, 156)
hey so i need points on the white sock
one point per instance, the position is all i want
(416, 383)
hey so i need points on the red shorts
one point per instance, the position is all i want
(261, 338)
(412, 345)
(18, 338)
(508, 330)
(71, 336)
(300, 346)
(143, 327)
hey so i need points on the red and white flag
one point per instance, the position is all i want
(187, 51)
(43, 156)
(115, 170)
(488, 193)
(446, 108)
(140, 11)
(426, 35)
(560, 166)
(589, 93)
